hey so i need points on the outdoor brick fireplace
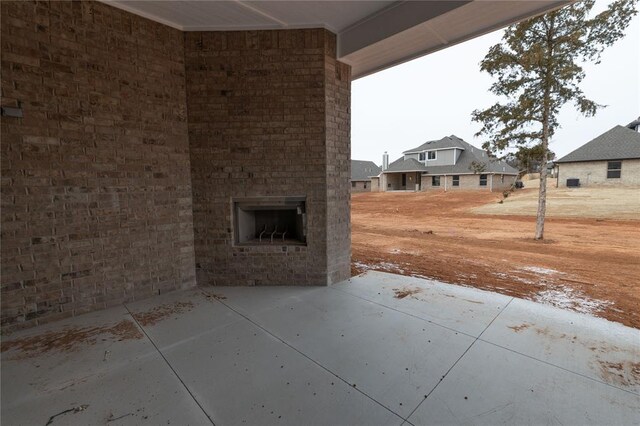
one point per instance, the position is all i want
(269, 148)
(116, 189)
(270, 220)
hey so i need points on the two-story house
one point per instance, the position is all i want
(445, 164)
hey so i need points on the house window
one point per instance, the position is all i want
(404, 179)
(456, 180)
(431, 155)
(435, 180)
(614, 169)
(422, 156)
(353, 184)
(501, 178)
(483, 180)
(365, 185)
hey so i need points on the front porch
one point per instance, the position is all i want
(376, 349)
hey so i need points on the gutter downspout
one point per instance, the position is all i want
(491, 184)
(445, 183)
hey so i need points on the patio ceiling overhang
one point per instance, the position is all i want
(372, 35)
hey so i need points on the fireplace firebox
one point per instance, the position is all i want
(270, 221)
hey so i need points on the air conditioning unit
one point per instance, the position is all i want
(573, 183)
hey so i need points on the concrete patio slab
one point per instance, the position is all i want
(602, 350)
(93, 369)
(173, 318)
(492, 386)
(260, 298)
(392, 357)
(463, 309)
(349, 354)
(243, 375)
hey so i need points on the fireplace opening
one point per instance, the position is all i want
(270, 221)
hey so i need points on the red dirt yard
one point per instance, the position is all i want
(589, 265)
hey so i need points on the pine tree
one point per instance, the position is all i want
(538, 67)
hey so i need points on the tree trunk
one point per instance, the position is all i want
(542, 194)
(546, 110)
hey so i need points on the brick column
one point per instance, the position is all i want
(269, 116)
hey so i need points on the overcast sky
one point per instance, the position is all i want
(433, 96)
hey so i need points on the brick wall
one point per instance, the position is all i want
(361, 186)
(96, 196)
(268, 116)
(375, 184)
(594, 173)
(97, 202)
(495, 183)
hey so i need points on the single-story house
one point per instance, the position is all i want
(446, 164)
(361, 174)
(611, 159)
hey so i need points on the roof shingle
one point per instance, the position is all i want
(447, 142)
(619, 143)
(410, 165)
(363, 170)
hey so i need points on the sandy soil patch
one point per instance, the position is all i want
(610, 203)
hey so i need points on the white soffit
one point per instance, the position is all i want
(460, 24)
(372, 35)
(216, 15)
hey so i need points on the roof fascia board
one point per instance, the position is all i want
(558, 162)
(402, 171)
(468, 174)
(392, 20)
(434, 149)
(547, 8)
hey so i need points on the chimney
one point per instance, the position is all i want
(385, 161)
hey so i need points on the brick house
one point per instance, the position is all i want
(361, 174)
(151, 146)
(446, 164)
(611, 159)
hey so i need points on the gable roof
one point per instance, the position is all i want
(363, 170)
(409, 165)
(619, 143)
(468, 155)
(447, 142)
(466, 160)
